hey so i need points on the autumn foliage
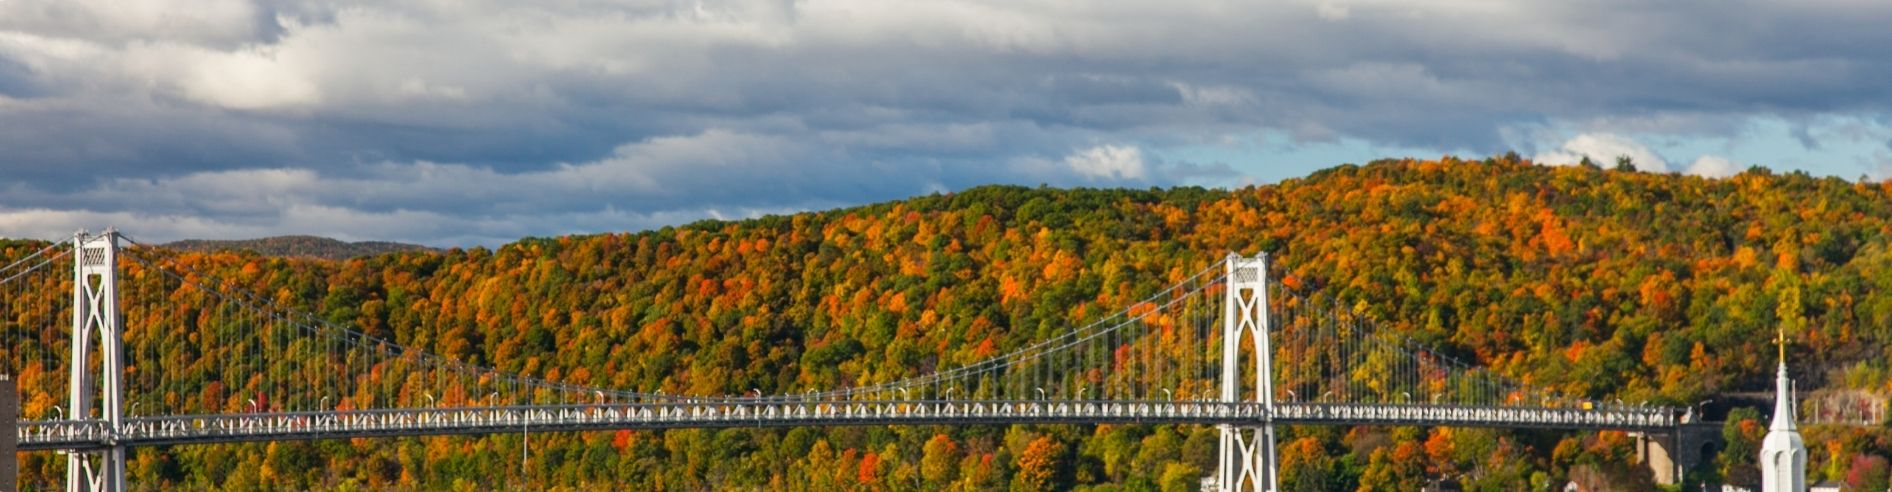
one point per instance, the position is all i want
(1598, 284)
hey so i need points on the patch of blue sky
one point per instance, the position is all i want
(1270, 156)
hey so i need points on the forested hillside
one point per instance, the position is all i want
(1610, 284)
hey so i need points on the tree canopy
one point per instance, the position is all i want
(1607, 284)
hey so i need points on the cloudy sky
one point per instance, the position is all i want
(451, 122)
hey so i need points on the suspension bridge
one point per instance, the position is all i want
(1218, 347)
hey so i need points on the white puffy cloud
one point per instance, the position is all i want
(251, 78)
(1117, 162)
(1713, 166)
(1879, 164)
(1331, 11)
(213, 22)
(1603, 149)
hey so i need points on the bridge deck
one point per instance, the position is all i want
(199, 429)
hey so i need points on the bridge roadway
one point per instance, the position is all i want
(745, 412)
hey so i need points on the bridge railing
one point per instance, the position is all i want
(1620, 418)
(763, 412)
(158, 430)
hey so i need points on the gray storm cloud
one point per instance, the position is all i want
(480, 121)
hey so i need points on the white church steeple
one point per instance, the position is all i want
(1783, 454)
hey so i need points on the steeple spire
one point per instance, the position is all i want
(1783, 454)
(1783, 387)
(1783, 401)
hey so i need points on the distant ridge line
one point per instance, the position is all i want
(299, 246)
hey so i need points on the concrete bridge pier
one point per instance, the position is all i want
(1669, 455)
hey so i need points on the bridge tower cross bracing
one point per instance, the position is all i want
(95, 312)
(1246, 455)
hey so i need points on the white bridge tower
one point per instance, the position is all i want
(1246, 455)
(95, 312)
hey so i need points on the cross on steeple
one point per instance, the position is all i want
(1780, 341)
